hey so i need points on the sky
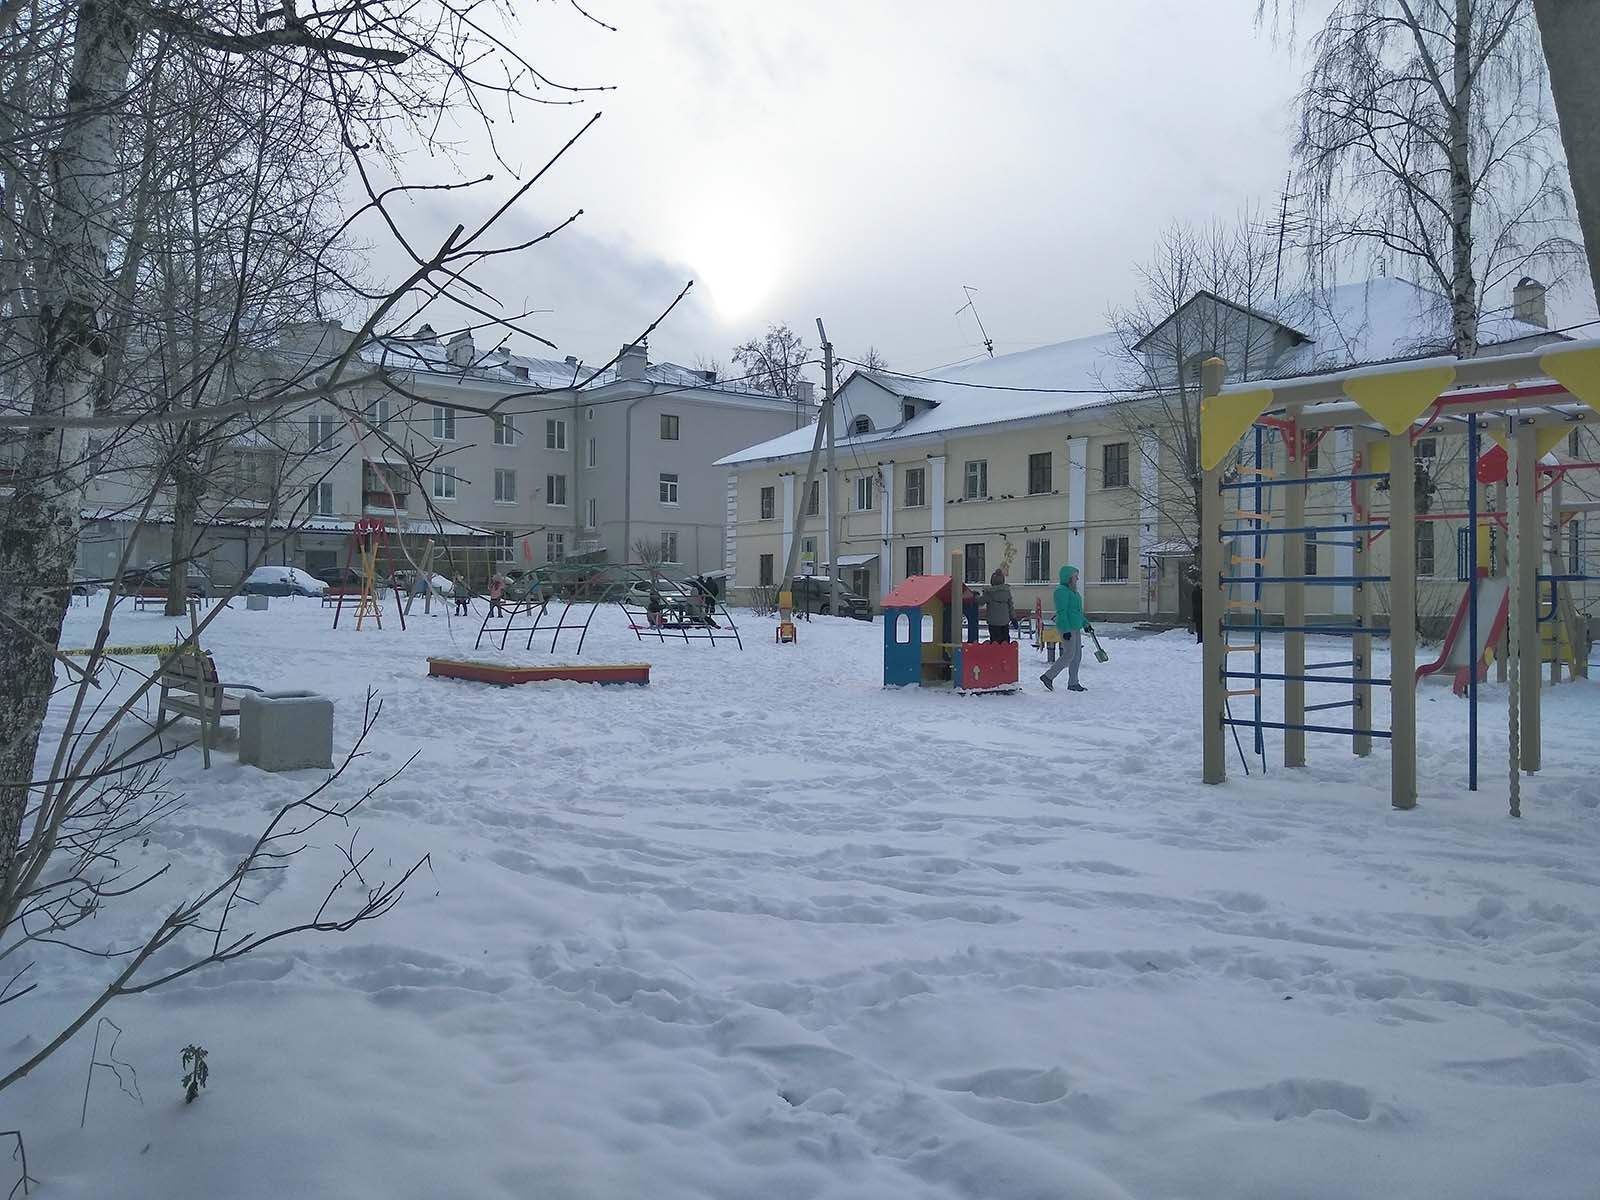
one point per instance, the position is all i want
(865, 161)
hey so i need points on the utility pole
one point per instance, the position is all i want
(824, 425)
(832, 480)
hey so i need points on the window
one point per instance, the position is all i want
(444, 424)
(764, 579)
(864, 490)
(505, 486)
(1574, 445)
(669, 488)
(555, 491)
(1114, 556)
(916, 487)
(861, 425)
(669, 545)
(1309, 567)
(378, 414)
(444, 483)
(1311, 454)
(907, 411)
(669, 427)
(555, 434)
(1575, 556)
(555, 547)
(501, 543)
(321, 503)
(320, 430)
(814, 499)
(1114, 465)
(972, 563)
(1425, 548)
(1036, 561)
(915, 561)
(769, 503)
(594, 457)
(977, 477)
(505, 431)
(1039, 483)
(1426, 448)
(591, 513)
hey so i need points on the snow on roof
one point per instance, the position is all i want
(1374, 321)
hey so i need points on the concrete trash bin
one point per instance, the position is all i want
(285, 731)
(255, 602)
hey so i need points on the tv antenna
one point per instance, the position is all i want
(988, 342)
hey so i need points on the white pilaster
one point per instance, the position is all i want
(886, 503)
(1077, 497)
(788, 520)
(730, 529)
(1343, 599)
(936, 555)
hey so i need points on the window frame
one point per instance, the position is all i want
(670, 421)
(813, 499)
(591, 513)
(505, 429)
(321, 429)
(922, 560)
(860, 425)
(670, 536)
(592, 459)
(503, 476)
(1036, 567)
(766, 571)
(555, 546)
(444, 484)
(1116, 549)
(503, 543)
(975, 484)
(444, 423)
(1049, 464)
(667, 483)
(767, 503)
(968, 575)
(314, 504)
(555, 481)
(555, 433)
(1428, 544)
(919, 476)
(1310, 556)
(1124, 475)
(862, 493)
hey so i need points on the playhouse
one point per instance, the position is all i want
(925, 602)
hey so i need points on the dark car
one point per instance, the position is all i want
(157, 581)
(811, 595)
(344, 579)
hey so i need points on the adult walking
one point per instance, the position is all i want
(1070, 623)
(998, 604)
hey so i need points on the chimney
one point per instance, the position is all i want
(635, 358)
(706, 373)
(460, 351)
(1527, 302)
(571, 360)
(802, 391)
(426, 336)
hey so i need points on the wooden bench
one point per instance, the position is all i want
(190, 688)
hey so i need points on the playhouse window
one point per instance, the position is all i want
(902, 629)
(972, 563)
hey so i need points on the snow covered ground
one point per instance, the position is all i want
(766, 930)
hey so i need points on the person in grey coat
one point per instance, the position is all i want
(997, 597)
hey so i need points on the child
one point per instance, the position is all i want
(1196, 601)
(1069, 620)
(459, 590)
(497, 590)
(997, 598)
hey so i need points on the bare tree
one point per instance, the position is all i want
(1570, 30)
(1426, 134)
(775, 362)
(871, 359)
(1203, 292)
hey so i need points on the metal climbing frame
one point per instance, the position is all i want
(1534, 397)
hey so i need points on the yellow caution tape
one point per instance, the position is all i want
(157, 650)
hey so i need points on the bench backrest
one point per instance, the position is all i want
(190, 672)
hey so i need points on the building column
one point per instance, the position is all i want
(1077, 498)
(730, 529)
(936, 513)
(1343, 599)
(886, 554)
(788, 520)
(1149, 521)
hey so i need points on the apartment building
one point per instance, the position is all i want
(570, 464)
(1067, 454)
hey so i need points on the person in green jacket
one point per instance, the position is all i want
(1069, 620)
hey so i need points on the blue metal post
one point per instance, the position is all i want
(1472, 600)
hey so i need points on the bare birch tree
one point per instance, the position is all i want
(1426, 135)
(1570, 31)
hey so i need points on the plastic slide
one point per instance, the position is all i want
(1494, 599)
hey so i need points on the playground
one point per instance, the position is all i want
(767, 927)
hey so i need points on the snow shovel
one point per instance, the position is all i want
(1100, 654)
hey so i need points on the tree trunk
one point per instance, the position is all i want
(185, 503)
(1570, 30)
(1463, 284)
(39, 533)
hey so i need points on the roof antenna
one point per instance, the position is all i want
(988, 342)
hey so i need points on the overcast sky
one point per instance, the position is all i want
(861, 160)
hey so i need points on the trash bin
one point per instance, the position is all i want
(285, 731)
(255, 602)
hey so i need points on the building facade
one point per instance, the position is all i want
(1036, 460)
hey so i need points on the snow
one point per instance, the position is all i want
(766, 929)
(1369, 322)
(291, 576)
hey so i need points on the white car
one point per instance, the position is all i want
(282, 581)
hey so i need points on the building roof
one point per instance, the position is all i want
(1375, 321)
(918, 590)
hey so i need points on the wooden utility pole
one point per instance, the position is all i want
(831, 509)
(824, 424)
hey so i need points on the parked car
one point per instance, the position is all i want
(811, 594)
(156, 581)
(282, 581)
(346, 579)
